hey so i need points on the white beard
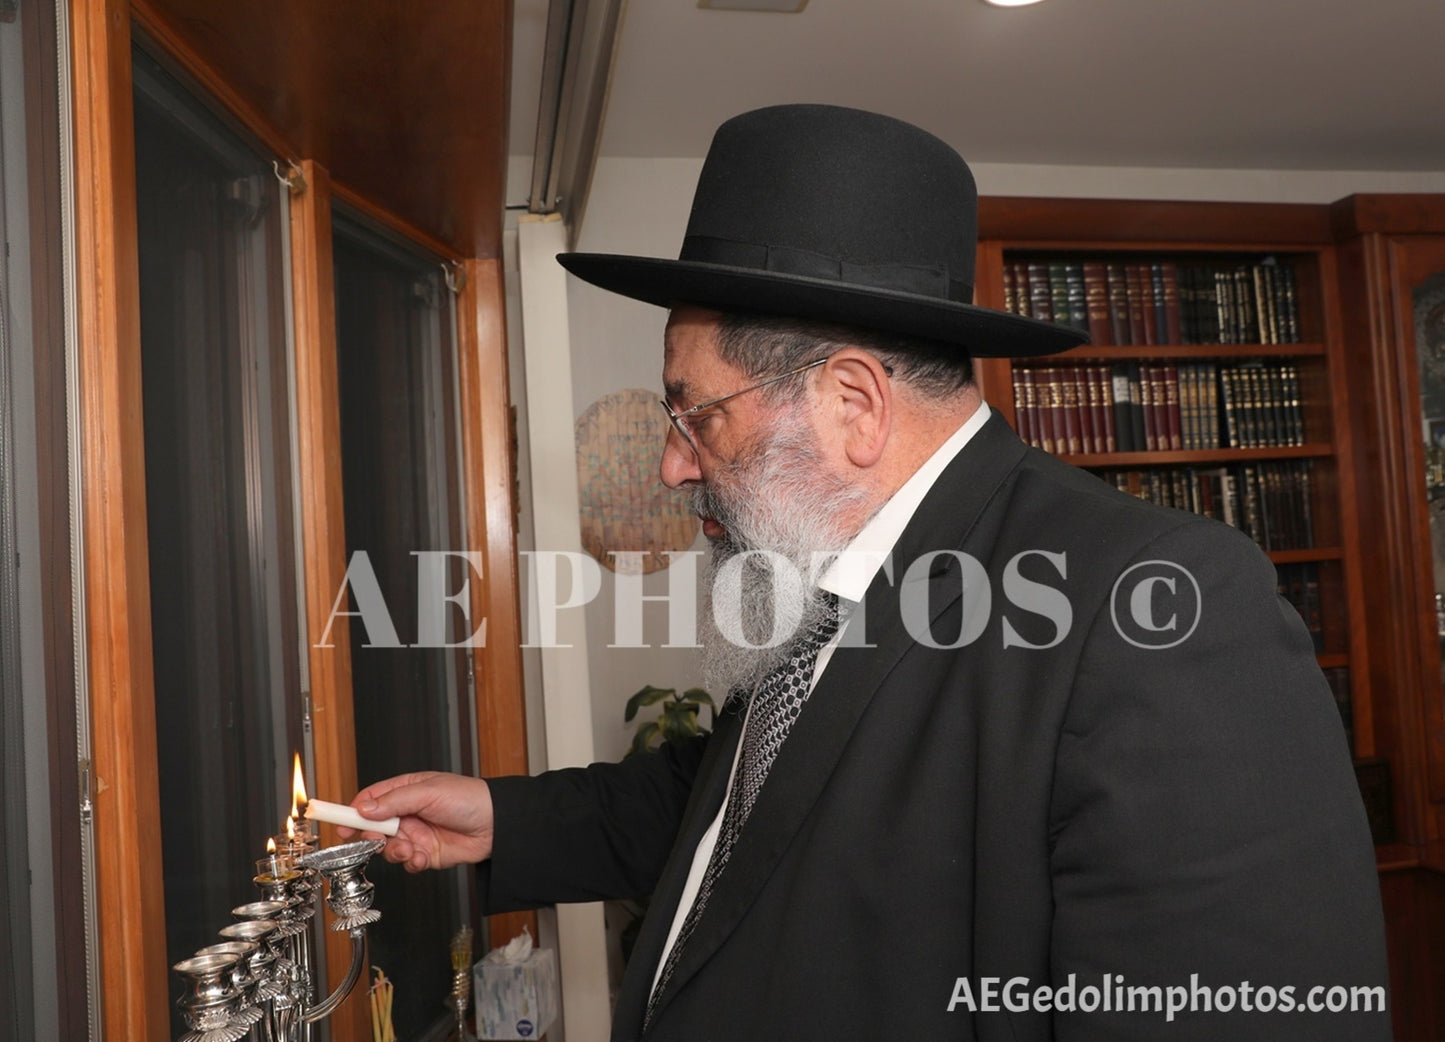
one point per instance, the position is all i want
(783, 502)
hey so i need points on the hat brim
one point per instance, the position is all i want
(981, 332)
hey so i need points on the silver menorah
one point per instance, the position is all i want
(257, 981)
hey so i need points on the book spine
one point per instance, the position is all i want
(1293, 407)
(1148, 305)
(1253, 508)
(1278, 411)
(1136, 408)
(1156, 294)
(1123, 419)
(1146, 399)
(1077, 294)
(1096, 302)
(1190, 412)
(1228, 307)
(1023, 411)
(1118, 288)
(1189, 304)
(1108, 410)
(1269, 300)
(1209, 409)
(1249, 407)
(1045, 387)
(1228, 402)
(1040, 296)
(1011, 302)
(1172, 418)
(1069, 387)
(1133, 274)
(1087, 434)
(1244, 323)
(1255, 410)
(1098, 415)
(1229, 497)
(1290, 306)
(1173, 321)
(1059, 304)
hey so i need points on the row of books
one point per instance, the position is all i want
(1161, 301)
(1147, 407)
(1300, 585)
(1269, 501)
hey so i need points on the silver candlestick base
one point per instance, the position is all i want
(259, 976)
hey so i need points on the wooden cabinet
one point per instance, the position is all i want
(1392, 286)
(1392, 292)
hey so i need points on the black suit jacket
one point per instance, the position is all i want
(1058, 799)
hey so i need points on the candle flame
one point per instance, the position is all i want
(290, 828)
(271, 846)
(298, 788)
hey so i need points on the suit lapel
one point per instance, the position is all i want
(942, 522)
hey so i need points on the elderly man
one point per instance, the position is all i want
(1038, 761)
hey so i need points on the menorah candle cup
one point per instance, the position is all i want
(281, 912)
(243, 976)
(279, 879)
(258, 910)
(269, 947)
(276, 868)
(348, 893)
(211, 1001)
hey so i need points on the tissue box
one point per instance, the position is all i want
(516, 1000)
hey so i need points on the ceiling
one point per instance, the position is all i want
(411, 109)
(1242, 84)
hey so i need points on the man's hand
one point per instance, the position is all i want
(446, 819)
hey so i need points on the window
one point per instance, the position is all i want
(218, 501)
(395, 345)
(212, 513)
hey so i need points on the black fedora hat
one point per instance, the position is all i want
(822, 212)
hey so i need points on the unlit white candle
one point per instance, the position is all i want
(340, 814)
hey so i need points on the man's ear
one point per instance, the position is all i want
(860, 403)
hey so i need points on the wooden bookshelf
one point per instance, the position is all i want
(1020, 238)
(1356, 264)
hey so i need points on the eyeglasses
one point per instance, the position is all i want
(679, 419)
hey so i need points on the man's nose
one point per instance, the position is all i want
(679, 463)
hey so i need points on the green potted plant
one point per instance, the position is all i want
(677, 720)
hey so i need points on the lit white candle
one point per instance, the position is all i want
(339, 814)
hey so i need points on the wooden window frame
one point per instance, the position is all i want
(134, 975)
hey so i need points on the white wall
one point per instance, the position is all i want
(635, 208)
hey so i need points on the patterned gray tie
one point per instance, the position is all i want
(776, 703)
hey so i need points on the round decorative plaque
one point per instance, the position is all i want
(624, 504)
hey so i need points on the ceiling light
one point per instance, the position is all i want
(781, 6)
(1010, 3)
